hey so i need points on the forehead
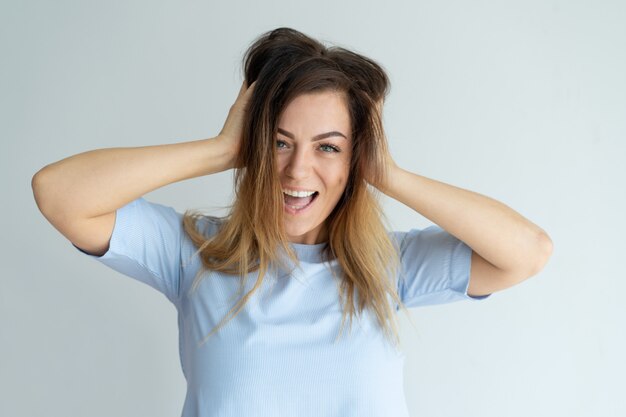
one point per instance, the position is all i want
(317, 111)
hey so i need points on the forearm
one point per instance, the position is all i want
(97, 182)
(499, 234)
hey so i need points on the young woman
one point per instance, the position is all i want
(263, 294)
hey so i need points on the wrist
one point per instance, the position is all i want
(220, 153)
(392, 180)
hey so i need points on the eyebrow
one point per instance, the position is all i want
(315, 138)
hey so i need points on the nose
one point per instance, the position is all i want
(299, 164)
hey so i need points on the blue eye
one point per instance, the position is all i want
(329, 148)
(280, 144)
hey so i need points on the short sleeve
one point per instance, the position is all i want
(435, 267)
(146, 245)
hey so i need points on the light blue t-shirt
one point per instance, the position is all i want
(280, 356)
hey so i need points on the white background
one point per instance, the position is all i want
(524, 101)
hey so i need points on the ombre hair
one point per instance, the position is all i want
(286, 63)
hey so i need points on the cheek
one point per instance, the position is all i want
(280, 162)
(345, 173)
(341, 178)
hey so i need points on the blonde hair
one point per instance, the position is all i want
(286, 63)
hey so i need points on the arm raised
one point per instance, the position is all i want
(79, 195)
(507, 247)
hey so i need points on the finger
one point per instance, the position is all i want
(251, 88)
(247, 94)
(243, 88)
(245, 91)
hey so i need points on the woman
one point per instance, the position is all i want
(263, 294)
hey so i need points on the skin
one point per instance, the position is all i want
(80, 194)
(506, 247)
(314, 148)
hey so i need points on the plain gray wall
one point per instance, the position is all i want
(524, 101)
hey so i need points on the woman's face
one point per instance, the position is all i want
(313, 148)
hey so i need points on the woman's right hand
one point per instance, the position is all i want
(80, 194)
(232, 132)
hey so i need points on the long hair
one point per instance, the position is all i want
(286, 63)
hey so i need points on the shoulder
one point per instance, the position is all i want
(420, 238)
(208, 225)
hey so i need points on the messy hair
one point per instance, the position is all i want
(285, 64)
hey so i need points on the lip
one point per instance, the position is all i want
(296, 212)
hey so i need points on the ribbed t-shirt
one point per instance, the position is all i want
(280, 356)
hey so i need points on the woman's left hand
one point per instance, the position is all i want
(389, 166)
(507, 247)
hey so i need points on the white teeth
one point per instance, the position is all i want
(298, 193)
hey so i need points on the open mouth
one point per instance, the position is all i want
(296, 204)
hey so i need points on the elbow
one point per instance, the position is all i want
(36, 186)
(531, 260)
(542, 251)
(41, 189)
(534, 259)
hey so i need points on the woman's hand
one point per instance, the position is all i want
(389, 165)
(390, 172)
(232, 132)
(507, 248)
